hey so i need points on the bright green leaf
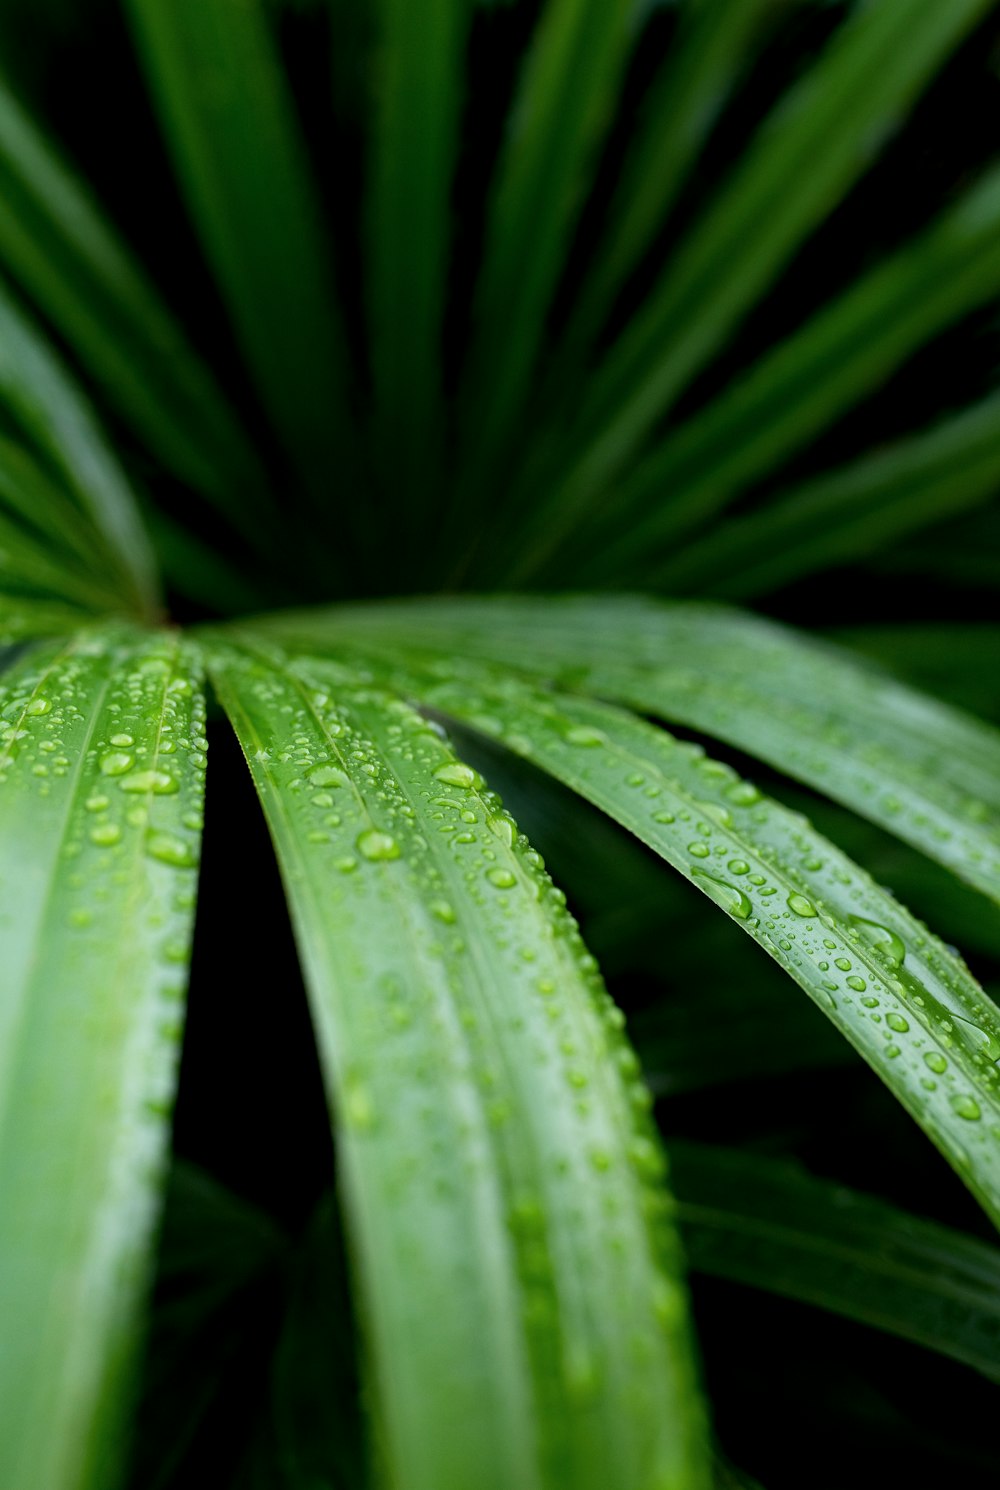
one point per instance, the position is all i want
(906, 1003)
(501, 1188)
(101, 771)
(923, 771)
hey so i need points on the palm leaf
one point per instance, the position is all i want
(819, 138)
(64, 254)
(229, 119)
(757, 1221)
(37, 393)
(525, 1322)
(420, 82)
(847, 350)
(566, 95)
(792, 393)
(26, 618)
(100, 800)
(906, 1003)
(924, 772)
(716, 42)
(841, 517)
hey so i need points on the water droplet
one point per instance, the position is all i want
(105, 834)
(728, 896)
(359, 1110)
(699, 850)
(503, 879)
(966, 1107)
(858, 984)
(121, 740)
(843, 963)
(935, 1062)
(327, 775)
(454, 773)
(884, 941)
(583, 734)
(444, 911)
(800, 905)
(116, 763)
(503, 828)
(739, 866)
(159, 783)
(743, 794)
(375, 845)
(38, 706)
(663, 817)
(897, 1022)
(169, 849)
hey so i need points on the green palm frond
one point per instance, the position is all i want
(467, 296)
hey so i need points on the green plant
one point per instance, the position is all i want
(519, 395)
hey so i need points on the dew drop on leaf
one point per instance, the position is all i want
(728, 896)
(377, 846)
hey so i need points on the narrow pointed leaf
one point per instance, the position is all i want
(37, 393)
(847, 350)
(762, 1222)
(842, 517)
(804, 159)
(229, 119)
(923, 771)
(518, 1288)
(28, 565)
(715, 44)
(98, 848)
(419, 88)
(46, 507)
(907, 1004)
(81, 276)
(565, 100)
(24, 618)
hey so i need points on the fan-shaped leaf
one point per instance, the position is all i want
(525, 1322)
(903, 1000)
(816, 143)
(101, 767)
(921, 770)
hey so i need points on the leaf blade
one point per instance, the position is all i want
(755, 1221)
(229, 119)
(66, 257)
(935, 1036)
(920, 769)
(531, 1406)
(52, 412)
(804, 158)
(95, 926)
